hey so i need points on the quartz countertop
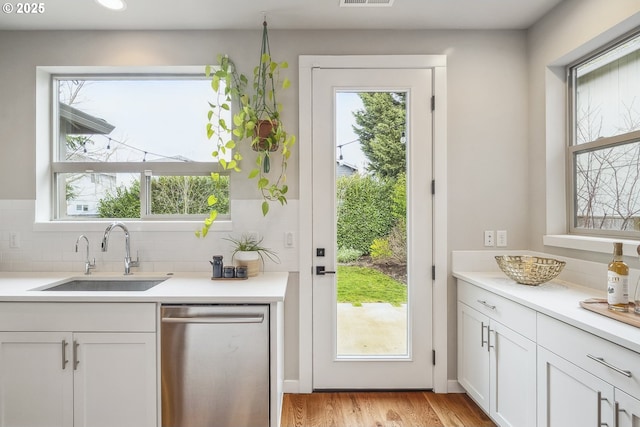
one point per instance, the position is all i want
(178, 288)
(561, 300)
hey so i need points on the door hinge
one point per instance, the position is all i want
(433, 103)
(433, 357)
(433, 187)
(433, 272)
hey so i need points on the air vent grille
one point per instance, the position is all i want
(366, 3)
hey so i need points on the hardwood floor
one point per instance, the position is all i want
(381, 409)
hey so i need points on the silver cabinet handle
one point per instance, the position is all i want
(258, 318)
(616, 414)
(486, 304)
(482, 340)
(76, 362)
(609, 365)
(599, 411)
(490, 346)
(64, 354)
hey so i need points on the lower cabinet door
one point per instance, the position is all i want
(627, 410)
(473, 354)
(115, 380)
(36, 379)
(513, 378)
(569, 395)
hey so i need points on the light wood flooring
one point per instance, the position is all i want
(382, 409)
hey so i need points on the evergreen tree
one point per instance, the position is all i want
(380, 126)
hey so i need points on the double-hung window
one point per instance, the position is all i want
(133, 146)
(604, 141)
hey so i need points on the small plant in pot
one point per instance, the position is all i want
(256, 119)
(249, 251)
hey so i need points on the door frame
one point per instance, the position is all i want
(438, 64)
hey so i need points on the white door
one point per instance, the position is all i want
(382, 343)
(36, 379)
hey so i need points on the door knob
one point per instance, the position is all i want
(320, 271)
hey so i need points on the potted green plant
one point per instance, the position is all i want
(256, 119)
(249, 251)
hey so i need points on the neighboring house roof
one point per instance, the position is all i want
(76, 122)
(345, 169)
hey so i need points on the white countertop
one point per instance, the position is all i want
(558, 299)
(178, 288)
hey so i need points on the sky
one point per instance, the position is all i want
(166, 122)
(172, 121)
(346, 104)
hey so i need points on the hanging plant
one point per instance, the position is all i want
(256, 119)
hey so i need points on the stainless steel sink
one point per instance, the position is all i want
(105, 285)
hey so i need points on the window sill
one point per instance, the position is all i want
(590, 243)
(133, 225)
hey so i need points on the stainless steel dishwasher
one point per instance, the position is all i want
(215, 365)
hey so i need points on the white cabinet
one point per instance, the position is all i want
(35, 389)
(473, 354)
(570, 396)
(496, 364)
(115, 370)
(584, 379)
(78, 378)
(627, 409)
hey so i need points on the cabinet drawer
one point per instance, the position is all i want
(516, 316)
(614, 364)
(77, 317)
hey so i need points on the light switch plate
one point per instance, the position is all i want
(501, 238)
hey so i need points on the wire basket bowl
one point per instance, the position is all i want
(530, 270)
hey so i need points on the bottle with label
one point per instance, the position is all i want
(618, 281)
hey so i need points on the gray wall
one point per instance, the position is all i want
(496, 110)
(572, 30)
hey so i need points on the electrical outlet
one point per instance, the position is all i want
(489, 238)
(289, 239)
(501, 238)
(14, 239)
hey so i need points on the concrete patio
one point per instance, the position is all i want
(373, 329)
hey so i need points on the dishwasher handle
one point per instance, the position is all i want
(254, 318)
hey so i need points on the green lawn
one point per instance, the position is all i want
(361, 284)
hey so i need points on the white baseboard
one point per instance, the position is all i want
(453, 386)
(291, 386)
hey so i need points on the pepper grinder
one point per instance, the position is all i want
(217, 266)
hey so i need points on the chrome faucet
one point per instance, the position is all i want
(128, 263)
(88, 265)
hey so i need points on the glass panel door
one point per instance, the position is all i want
(372, 228)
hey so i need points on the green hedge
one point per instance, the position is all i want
(365, 211)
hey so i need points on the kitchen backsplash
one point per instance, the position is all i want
(159, 251)
(581, 272)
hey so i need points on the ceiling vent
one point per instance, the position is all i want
(366, 3)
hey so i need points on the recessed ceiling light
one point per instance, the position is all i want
(113, 4)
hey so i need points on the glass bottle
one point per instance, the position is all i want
(618, 281)
(636, 299)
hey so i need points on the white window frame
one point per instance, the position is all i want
(573, 149)
(46, 167)
(556, 139)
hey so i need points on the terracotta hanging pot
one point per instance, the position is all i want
(264, 129)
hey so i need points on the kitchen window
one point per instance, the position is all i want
(134, 146)
(604, 141)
